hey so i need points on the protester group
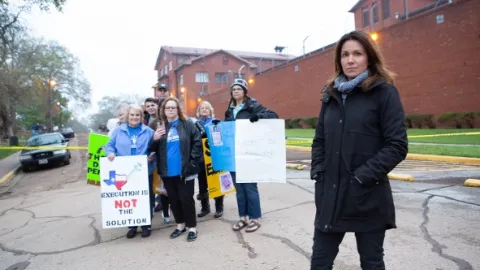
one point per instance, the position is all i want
(359, 138)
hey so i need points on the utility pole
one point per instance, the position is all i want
(51, 84)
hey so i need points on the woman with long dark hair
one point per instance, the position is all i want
(360, 137)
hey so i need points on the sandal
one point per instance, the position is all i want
(253, 226)
(240, 225)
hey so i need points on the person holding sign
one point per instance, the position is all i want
(131, 139)
(241, 106)
(179, 149)
(356, 144)
(205, 114)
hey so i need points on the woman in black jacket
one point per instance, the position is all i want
(178, 155)
(360, 137)
(241, 106)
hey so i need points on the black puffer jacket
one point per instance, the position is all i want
(250, 107)
(355, 146)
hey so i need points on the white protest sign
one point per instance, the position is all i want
(260, 151)
(124, 192)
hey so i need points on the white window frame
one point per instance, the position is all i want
(181, 79)
(201, 77)
(170, 65)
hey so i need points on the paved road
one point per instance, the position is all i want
(51, 220)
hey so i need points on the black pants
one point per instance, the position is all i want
(203, 189)
(165, 205)
(180, 195)
(369, 246)
(152, 202)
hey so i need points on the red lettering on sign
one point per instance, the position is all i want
(126, 203)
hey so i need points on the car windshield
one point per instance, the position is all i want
(44, 140)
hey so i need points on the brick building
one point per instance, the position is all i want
(193, 73)
(434, 54)
(374, 15)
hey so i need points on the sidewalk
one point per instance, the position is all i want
(9, 164)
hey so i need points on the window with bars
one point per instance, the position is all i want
(201, 77)
(385, 9)
(375, 13)
(366, 17)
(221, 77)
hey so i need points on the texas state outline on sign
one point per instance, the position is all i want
(119, 180)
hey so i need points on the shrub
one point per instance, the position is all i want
(459, 119)
(417, 120)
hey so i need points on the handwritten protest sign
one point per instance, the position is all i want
(219, 182)
(260, 152)
(124, 192)
(96, 142)
(222, 147)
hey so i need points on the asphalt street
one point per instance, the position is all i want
(51, 219)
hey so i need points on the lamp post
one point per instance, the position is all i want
(51, 84)
(304, 46)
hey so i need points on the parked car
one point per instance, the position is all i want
(68, 132)
(31, 158)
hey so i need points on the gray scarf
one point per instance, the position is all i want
(344, 86)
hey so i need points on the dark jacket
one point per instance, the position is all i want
(251, 107)
(190, 147)
(355, 146)
(200, 125)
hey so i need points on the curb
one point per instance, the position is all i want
(10, 175)
(472, 183)
(299, 148)
(464, 160)
(294, 166)
(401, 177)
(452, 159)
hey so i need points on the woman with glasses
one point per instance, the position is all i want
(178, 150)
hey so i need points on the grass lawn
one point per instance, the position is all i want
(460, 151)
(467, 139)
(5, 153)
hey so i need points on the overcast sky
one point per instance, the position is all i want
(117, 41)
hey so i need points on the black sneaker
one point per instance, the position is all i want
(158, 208)
(146, 232)
(192, 236)
(218, 214)
(177, 233)
(131, 233)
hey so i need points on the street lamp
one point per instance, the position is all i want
(374, 36)
(51, 84)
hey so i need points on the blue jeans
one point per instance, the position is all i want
(248, 199)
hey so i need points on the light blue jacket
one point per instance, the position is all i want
(120, 143)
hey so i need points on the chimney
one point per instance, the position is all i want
(279, 49)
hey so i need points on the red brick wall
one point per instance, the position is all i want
(437, 67)
(395, 6)
(212, 64)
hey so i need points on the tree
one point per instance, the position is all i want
(108, 105)
(42, 4)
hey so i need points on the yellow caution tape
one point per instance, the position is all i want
(288, 142)
(444, 135)
(43, 147)
(410, 137)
